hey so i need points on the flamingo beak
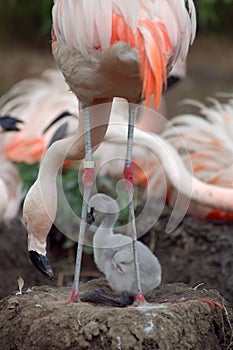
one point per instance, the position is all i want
(9, 123)
(26, 150)
(42, 264)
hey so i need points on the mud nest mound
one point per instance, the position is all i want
(180, 317)
(176, 317)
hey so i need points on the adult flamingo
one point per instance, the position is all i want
(34, 101)
(105, 48)
(206, 149)
(202, 149)
(10, 182)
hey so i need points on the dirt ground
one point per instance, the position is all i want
(195, 253)
(177, 317)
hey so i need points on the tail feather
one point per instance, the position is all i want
(153, 45)
(161, 31)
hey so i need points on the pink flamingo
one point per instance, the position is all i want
(147, 119)
(105, 48)
(10, 182)
(30, 99)
(34, 101)
(208, 154)
(203, 150)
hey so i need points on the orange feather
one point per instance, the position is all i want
(147, 39)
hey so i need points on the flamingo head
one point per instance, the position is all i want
(38, 224)
(103, 210)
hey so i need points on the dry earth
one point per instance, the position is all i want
(177, 317)
(181, 316)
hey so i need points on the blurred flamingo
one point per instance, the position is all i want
(10, 182)
(10, 190)
(205, 151)
(105, 48)
(205, 145)
(34, 101)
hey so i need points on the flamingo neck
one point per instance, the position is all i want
(56, 154)
(107, 224)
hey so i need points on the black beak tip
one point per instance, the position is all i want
(90, 217)
(42, 263)
(8, 123)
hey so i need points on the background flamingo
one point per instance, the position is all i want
(10, 190)
(35, 103)
(10, 182)
(208, 150)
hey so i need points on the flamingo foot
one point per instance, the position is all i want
(73, 298)
(139, 300)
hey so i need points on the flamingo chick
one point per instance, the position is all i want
(113, 251)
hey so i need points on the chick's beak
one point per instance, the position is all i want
(90, 217)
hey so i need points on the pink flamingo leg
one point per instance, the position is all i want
(129, 186)
(87, 180)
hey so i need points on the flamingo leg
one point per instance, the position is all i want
(87, 180)
(129, 186)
